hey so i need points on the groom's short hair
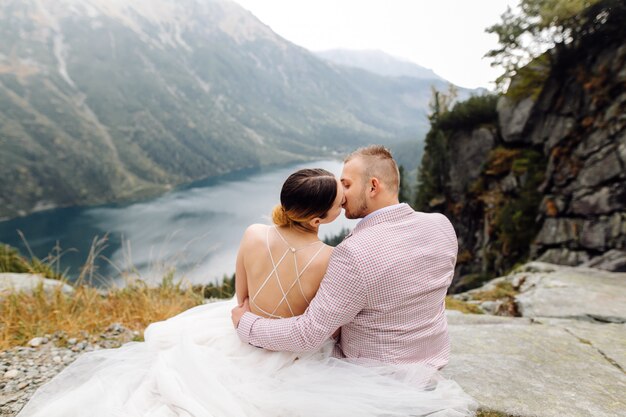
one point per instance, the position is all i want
(378, 163)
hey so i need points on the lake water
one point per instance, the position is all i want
(194, 229)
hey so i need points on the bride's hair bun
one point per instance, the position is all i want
(306, 194)
(279, 216)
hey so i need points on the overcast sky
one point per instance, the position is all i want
(447, 36)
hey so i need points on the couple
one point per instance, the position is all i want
(358, 330)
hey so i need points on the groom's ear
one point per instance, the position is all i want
(374, 186)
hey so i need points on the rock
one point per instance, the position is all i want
(56, 359)
(602, 201)
(595, 234)
(72, 341)
(36, 341)
(559, 231)
(10, 282)
(621, 149)
(564, 257)
(558, 128)
(11, 373)
(613, 260)
(490, 306)
(593, 143)
(6, 399)
(115, 328)
(599, 168)
(597, 294)
(607, 338)
(538, 267)
(512, 118)
(517, 367)
(468, 153)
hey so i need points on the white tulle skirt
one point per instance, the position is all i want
(195, 365)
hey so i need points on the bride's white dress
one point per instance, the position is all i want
(194, 365)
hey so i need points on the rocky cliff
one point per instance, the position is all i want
(546, 179)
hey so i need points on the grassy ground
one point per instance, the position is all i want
(24, 316)
(462, 306)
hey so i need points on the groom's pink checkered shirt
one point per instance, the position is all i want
(385, 287)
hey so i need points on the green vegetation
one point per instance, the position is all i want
(514, 220)
(334, 240)
(466, 115)
(405, 194)
(471, 113)
(543, 31)
(11, 260)
(225, 289)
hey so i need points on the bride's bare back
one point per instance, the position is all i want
(282, 269)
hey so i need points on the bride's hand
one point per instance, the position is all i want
(239, 311)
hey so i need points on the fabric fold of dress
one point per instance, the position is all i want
(194, 365)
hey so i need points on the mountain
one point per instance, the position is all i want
(103, 100)
(378, 62)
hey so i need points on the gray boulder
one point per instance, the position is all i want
(14, 282)
(613, 260)
(512, 118)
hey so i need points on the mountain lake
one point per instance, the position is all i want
(193, 230)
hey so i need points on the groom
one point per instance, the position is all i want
(386, 282)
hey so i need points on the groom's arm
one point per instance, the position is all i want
(341, 296)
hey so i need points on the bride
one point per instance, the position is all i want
(194, 365)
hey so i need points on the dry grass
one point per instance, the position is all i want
(24, 316)
(462, 306)
(501, 290)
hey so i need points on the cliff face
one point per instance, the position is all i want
(581, 124)
(548, 180)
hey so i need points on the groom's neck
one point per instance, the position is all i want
(382, 203)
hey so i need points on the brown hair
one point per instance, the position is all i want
(306, 194)
(379, 163)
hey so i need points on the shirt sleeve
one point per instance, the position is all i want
(341, 296)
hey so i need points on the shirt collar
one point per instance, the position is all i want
(381, 210)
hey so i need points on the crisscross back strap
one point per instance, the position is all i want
(274, 273)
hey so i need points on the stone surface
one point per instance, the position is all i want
(602, 201)
(595, 234)
(512, 117)
(613, 260)
(565, 357)
(468, 152)
(542, 370)
(30, 367)
(558, 128)
(600, 168)
(594, 142)
(559, 230)
(36, 341)
(564, 257)
(597, 293)
(10, 282)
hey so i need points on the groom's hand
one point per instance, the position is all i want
(239, 311)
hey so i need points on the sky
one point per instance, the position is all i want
(447, 36)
